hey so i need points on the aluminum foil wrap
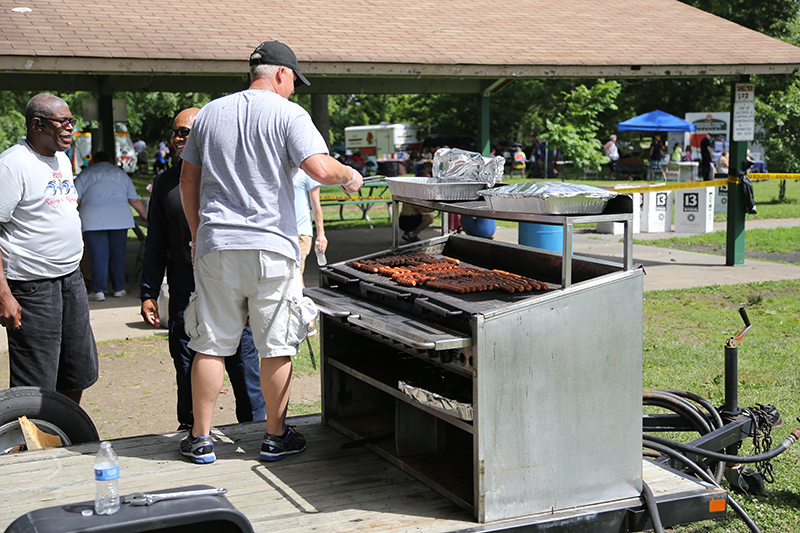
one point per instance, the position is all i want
(462, 411)
(548, 198)
(453, 164)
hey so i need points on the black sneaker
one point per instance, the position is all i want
(410, 237)
(276, 448)
(199, 450)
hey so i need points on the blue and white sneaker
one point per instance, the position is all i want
(199, 450)
(276, 448)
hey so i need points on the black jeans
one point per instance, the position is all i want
(243, 367)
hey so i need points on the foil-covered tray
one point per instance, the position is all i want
(453, 164)
(434, 189)
(548, 198)
(460, 410)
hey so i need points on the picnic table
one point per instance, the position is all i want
(366, 197)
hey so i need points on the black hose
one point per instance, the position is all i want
(683, 407)
(678, 402)
(652, 508)
(777, 450)
(715, 416)
(706, 477)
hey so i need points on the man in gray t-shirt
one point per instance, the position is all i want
(238, 195)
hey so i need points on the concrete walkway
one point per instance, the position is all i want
(118, 318)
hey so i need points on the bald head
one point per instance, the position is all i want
(181, 126)
(43, 105)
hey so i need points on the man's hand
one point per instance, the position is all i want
(150, 312)
(10, 311)
(355, 183)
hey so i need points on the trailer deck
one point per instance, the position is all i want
(325, 488)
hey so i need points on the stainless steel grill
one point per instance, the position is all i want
(552, 379)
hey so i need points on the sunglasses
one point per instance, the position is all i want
(62, 122)
(181, 132)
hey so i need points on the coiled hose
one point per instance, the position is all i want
(680, 402)
(703, 474)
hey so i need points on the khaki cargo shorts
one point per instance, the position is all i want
(229, 285)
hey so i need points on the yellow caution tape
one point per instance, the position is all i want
(666, 186)
(758, 176)
(355, 198)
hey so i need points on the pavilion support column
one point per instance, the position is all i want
(484, 141)
(321, 116)
(734, 249)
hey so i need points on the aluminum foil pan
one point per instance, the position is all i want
(462, 411)
(433, 189)
(453, 164)
(548, 198)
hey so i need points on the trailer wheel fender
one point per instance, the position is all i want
(50, 411)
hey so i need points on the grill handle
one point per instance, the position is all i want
(389, 293)
(338, 277)
(356, 321)
(439, 310)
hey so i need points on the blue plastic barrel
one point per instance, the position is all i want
(545, 236)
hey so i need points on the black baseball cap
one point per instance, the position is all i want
(276, 53)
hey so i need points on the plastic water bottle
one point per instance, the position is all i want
(106, 475)
(321, 261)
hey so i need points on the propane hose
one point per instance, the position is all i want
(774, 452)
(652, 508)
(703, 474)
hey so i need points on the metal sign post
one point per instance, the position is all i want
(743, 128)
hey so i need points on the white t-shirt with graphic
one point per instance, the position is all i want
(40, 230)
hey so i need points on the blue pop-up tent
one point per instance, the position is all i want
(656, 121)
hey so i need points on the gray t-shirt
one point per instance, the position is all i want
(249, 145)
(40, 230)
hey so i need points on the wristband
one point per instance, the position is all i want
(346, 185)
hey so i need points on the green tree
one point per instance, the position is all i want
(575, 129)
(773, 18)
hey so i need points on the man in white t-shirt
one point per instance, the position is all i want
(43, 300)
(237, 193)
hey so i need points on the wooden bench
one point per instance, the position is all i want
(364, 204)
(374, 195)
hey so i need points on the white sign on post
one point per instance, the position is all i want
(744, 113)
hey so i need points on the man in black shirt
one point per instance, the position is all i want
(167, 246)
(706, 157)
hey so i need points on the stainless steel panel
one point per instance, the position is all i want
(558, 400)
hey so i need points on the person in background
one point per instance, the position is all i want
(105, 196)
(43, 303)
(687, 154)
(655, 155)
(706, 157)
(722, 163)
(238, 197)
(518, 161)
(167, 248)
(141, 156)
(677, 153)
(413, 220)
(612, 152)
(162, 158)
(306, 203)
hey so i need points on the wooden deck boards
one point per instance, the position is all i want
(325, 488)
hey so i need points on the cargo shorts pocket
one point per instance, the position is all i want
(302, 314)
(191, 321)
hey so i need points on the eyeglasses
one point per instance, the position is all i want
(181, 132)
(62, 122)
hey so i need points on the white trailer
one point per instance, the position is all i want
(383, 139)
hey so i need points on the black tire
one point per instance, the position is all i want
(55, 410)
